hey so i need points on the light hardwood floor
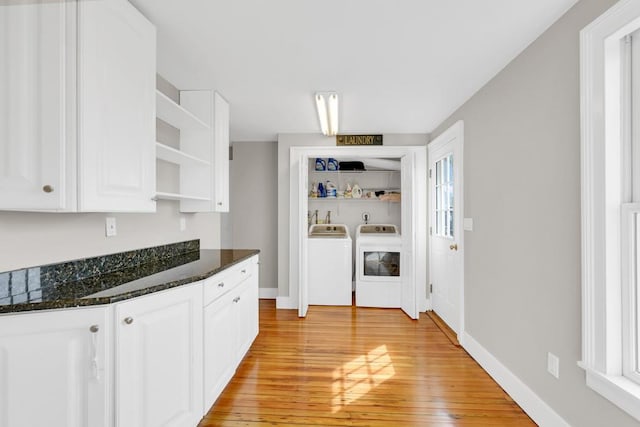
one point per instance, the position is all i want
(353, 366)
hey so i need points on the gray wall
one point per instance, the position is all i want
(254, 211)
(30, 239)
(285, 142)
(522, 188)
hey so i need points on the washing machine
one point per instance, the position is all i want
(329, 265)
(378, 256)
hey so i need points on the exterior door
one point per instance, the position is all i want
(445, 225)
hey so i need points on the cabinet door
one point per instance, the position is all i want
(54, 369)
(221, 154)
(37, 43)
(247, 315)
(220, 341)
(159, 359)
(116, 108)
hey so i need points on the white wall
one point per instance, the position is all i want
(285, 142)
(253, 218)
(31, 239)
(522, 189)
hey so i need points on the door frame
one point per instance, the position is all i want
(456, 133)
(414, 206)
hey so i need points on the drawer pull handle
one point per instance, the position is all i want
(236, 299)
(94, 328)
(244, 271)
(128, 320)
(221, 285)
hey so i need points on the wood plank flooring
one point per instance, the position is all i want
(354, 366)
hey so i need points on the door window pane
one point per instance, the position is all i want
(444, 197)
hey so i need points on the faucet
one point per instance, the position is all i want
(328, 217)
(311, 216)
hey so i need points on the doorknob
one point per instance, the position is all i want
(453, 247)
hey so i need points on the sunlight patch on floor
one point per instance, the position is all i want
(356, 378)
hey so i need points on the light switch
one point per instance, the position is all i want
(110, 227)
(467, 224)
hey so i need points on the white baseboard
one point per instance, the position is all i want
(286, 303)
(530, 402)
(267, 293)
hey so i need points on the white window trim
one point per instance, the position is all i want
(602, 192)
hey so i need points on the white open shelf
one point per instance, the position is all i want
(340, 172)
(176, 196)
(177, 116)
(170, 154)
(349, 200)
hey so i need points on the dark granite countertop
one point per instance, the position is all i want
(43, 291)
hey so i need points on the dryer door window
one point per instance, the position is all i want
(381, 264)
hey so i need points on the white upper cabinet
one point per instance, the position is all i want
(221, 155)
(77, 107)
(117, 98)
(36, 54)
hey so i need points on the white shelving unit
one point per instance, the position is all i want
(341, 178)
(203, 120)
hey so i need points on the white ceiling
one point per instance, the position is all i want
(399, 66)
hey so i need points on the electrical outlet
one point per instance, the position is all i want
(183, 223)
(110, 227)
(553, 365)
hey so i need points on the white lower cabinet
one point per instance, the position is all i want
(230, 327)
(159, 359)
(219, 344)
(55, 368)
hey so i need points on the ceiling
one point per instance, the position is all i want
(399, 66)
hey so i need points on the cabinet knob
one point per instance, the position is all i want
(221, 285)
(94, 328)
(236, 299)
(47, 189)
(244, 271)
(128, 320)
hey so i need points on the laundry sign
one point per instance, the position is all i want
(359, 140)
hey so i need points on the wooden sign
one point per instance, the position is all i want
(359, 140)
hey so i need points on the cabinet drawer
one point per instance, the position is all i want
(223, 282)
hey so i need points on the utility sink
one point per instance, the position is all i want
(328, 231)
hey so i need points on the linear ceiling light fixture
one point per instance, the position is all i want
(327, 106)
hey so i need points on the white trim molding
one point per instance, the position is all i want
(286, 303)
(530, 402)
(268, 293)
(602, 124)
